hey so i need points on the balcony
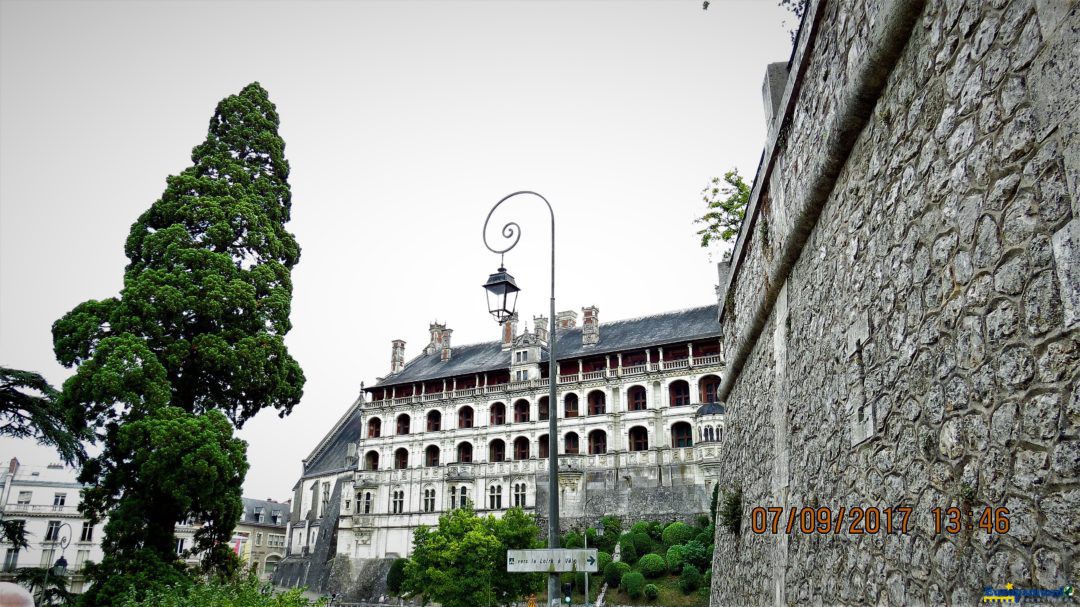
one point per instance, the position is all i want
(43, 509)
(459, 471)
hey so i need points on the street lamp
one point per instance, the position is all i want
(60, 566)
(502, 297)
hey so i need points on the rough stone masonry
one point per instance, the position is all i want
(901, 313)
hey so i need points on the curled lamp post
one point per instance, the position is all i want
(502, 298)
(60, 566)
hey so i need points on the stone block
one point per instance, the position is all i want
(1066, 245)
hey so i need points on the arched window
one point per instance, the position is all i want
(636, 398)
(464, 453)
(434, 421)
(542, 446)
(403, 422)
(498, 414)
(397, 502)
(543, 407)
(521, 448)
(679, 391)
(521, 411)
(465, 417)
(367, 502)
(495, 497)
(497, 451)
(639, 439)
(464, 491)
(401, 458)
(431, 456)
(682, 435)
(597, 403)
(429, 500)
(570, 443)
(597, 442)
(371, 460)
(519, 495)
(708, 387)
(453, 497)
(374, 428)
(570, 405)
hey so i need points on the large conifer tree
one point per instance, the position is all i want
(195, 339)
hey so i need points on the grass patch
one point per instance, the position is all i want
(670, 595)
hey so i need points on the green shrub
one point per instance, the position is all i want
(715, 503)
(651, 591)
(652, 565)
(656, 531)
(612, 531)
(633, 583)
(689, 579)
(573, 539)
(396, 576)
(602, 560)
(703, 521)
(639, 527)
(643, 544)
(708, 578)
(695, 553)
(730, 513)
(241, 592)
(613, 573)
(677, 533)
(676, 557)
(627, 552)
(703, 538)
(579, 581)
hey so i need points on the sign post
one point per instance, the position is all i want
(551, 560)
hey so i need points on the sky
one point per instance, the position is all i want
(404, 122)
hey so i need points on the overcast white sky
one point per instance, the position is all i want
(404, 122)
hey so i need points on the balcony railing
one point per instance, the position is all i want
(43, 509)
(591, 375)
(677, 364)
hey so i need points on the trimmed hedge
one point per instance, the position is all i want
(627, 552)
(613, 573)
(652, 565)
(689, 579)
(651, 591)
(676, 558)
(633, 583)
(678, 533)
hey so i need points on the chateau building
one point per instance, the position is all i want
(638, 430)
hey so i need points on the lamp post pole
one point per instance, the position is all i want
(61, 563)
(513, 231)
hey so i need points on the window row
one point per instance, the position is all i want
(596, 404)
(638, 440)
(459, 497)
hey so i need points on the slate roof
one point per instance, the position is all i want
(615, 336)
(710, 409)
(268, 510)
(329, 455)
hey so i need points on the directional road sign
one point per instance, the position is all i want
(556, 560)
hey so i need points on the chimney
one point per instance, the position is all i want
(435, 345)
(566, 320)
(509, 331)
(397, 356)
(590, 325)
(13, 466)
(540, 324)
(446, 344)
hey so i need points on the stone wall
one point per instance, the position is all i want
(901, 314)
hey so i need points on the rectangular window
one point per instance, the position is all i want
(59, 500)
(87, 534)
(453, 497)
(259, 513)
(258, 539)
(81, 558)
(11, 559)
(47, 557)
(52, 533)
(521, 375)
(367, 503)
(180, 542)
(24, 497)
(276, 517)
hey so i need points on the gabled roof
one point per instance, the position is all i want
(616, 336)
(268, 507)
(329, 455)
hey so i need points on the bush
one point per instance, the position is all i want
(613, 573)
(573, 539)
(703, 521)
(708, 578)
(696, 554)
(241, 592)
(656, 531)
(676, 557)
(677, 533)
(612, 531)
(643, 544)
(633, 583)
(651, 591)
(652, 565)
(703, 538)
(730, 512)
(628, 553)
(396, 576)
(579, 581)
(689, 579)
(640, 527)
(602, 560)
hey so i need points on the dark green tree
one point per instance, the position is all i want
(194, 340)
(462, 562)
(46, 587)
(28, 409)
(726, 201)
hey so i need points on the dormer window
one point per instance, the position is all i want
(259, 510)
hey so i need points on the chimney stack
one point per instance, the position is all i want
(540, 325)
(509, 331)
(13, 467)
(446, 344)
(397, 356)
(437, 329)
(566, 320)
(590, 325)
